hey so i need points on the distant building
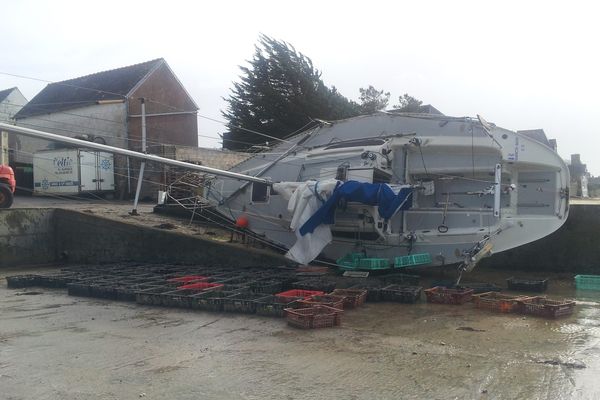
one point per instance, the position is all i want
(579, 176)
(11, 101)
(105, 107)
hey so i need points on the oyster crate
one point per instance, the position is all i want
(202, 286)
(442, 295)
(269, 286)
(373, 264)
(313, 317)
(22, 281)
(323, 285)
(373, 289)
(189, 279)
(401, 279)
(527, 285)
(401, 294)
(269, 306)
(242, 302)
(497, 302)
(324, 300)
(296, 294)
(352, 297)
(584, 282)
(210, 301)
(543, 307)
(412, 260)
(478, 287)
(350, 261)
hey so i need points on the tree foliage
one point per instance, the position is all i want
(279, 93)
(372, 100)
(408, 104)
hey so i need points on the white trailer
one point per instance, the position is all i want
(72, 171)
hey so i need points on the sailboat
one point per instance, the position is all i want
(413, 189)
(462, 189)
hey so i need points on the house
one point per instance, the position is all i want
(105, 107)
(11, 101)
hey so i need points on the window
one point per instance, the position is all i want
(260, 192)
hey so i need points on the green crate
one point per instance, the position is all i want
(350, 261)
(587, 282)
(373, 263)
(412, 260)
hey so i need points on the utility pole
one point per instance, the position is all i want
(143, 163)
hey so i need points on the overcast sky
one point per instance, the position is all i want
(521, 65)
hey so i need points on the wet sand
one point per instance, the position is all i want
(53, 346)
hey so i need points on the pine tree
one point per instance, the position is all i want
(280, 93)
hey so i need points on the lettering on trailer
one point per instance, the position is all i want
(63, 165)
(46, 184)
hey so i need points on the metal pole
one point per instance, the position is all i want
(135, 154)
(3, 148)
(143, 165)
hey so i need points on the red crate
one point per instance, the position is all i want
(297, 294)
(189, 279)
(497, 302)
(202, 286)
(352, 297)
(442, 295)
(313, 317)
(324, 300)
(543, 307)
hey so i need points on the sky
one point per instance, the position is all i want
(519, 64)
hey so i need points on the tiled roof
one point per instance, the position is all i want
(114, 84)
(4, 93)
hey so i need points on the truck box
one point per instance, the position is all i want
(72, 171)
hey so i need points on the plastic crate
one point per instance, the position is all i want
(478, 287)
(22, 281)
(586, 282)
(350, 261)
(543, 307)
(211, 300)
(202, 286)
(296, 294)
(270, 307)
(527, 285)
(401, 294)
(442, 295)
(497, 302)
(412, 260)
(373, 288)
(322, 285)
(352, 297)
(400, 279)
(313, 317)
(373, 263)
(189, 279)
(324, 300)
(242, 303)
(266, 286)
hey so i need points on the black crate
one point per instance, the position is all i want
(269, 306)
(401, 294)
(400, 279)
(22, 281)
(268, 286)
(527, 284)
(373, 288)
(242, 302)
(478, 287)
(323, 285)
(210, 301)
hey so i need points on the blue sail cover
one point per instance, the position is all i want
(367, 193)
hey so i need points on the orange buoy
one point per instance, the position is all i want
(242, 221)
